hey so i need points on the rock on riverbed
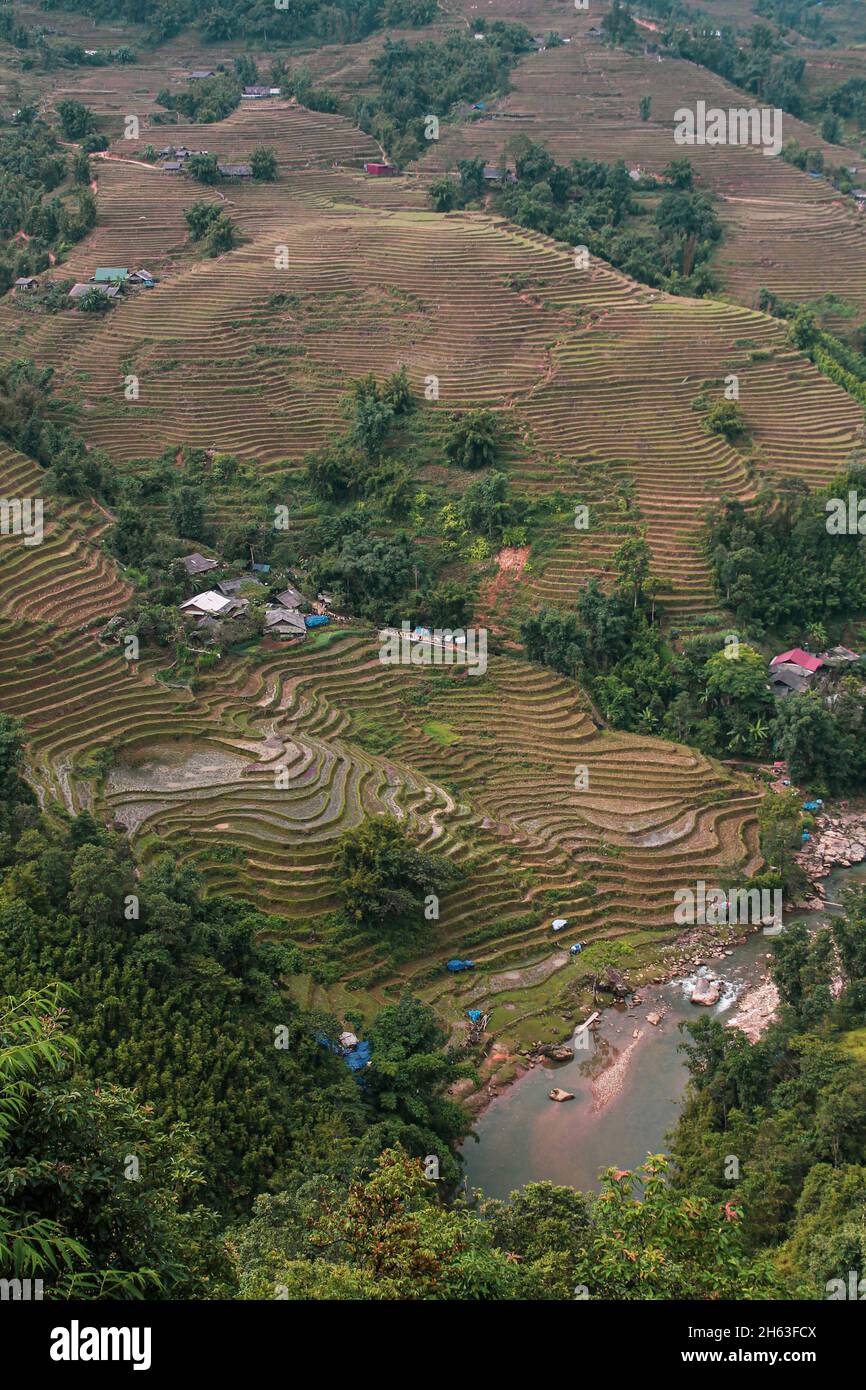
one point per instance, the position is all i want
(707, 990)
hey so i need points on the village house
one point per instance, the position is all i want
(793, 671)
(290, 598)
(231, 588)
(492, 174)
(838, 657)
(26, 282)
(235, 171)
(210, 604)
(198, 74)
(141, 277)
(80, 290)
(198, 564)
(110, 275)
(259, 93)
(378, 170)
(171, 166)
(284, 622)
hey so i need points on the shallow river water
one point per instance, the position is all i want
(627, 1091)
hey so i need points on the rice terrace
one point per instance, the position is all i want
(420, 425)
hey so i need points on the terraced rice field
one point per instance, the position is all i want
(597, 377)
(195, 772)
(590, 369)
(783, 229)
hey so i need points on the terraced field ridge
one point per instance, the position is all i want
(253, 771)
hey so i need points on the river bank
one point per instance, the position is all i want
(629, 1081)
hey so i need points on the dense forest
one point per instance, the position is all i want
(779, 1126)
(334, 21)
(659, 231)
(46, 203)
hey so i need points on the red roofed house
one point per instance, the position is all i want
(797, 657)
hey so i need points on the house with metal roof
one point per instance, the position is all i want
(198, 564)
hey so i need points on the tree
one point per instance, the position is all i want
(471, 173)
(263, 163)
(221, 235)
(444, 193)
(632, 562)
(727, 419)
(805, 734)
(204, 168)
(187, 506)
(738, 675)
(546, 1228)
(679, 172)
(485, 506)
(474, 439)
(95, 301)
(200, 217)
(618, 26)
(645, 107)
(76, 120)
(384, 881)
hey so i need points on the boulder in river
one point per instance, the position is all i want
(707, 990)
(557, 1052)
(558, 1094)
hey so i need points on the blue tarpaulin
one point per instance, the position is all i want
(316, 620)
(474, 1014)
(460, 964)
(356, 1058)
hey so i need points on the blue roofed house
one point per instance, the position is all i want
(110, 274)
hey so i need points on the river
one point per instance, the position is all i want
(627, 1090)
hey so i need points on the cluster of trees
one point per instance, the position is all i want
(205, 99)
(33, 165)
(174, 1003)
(386, 884)
(47, 55)
(759, 61)
(790, 1109)
(205, 168)
(597, 205)
(837, 360)
(780, 565)
(26, 422)
(211, 226)
(414, 80)
(365, 460)
(222, 21)
(389, 1237)
(364, 478)
(708, 694)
